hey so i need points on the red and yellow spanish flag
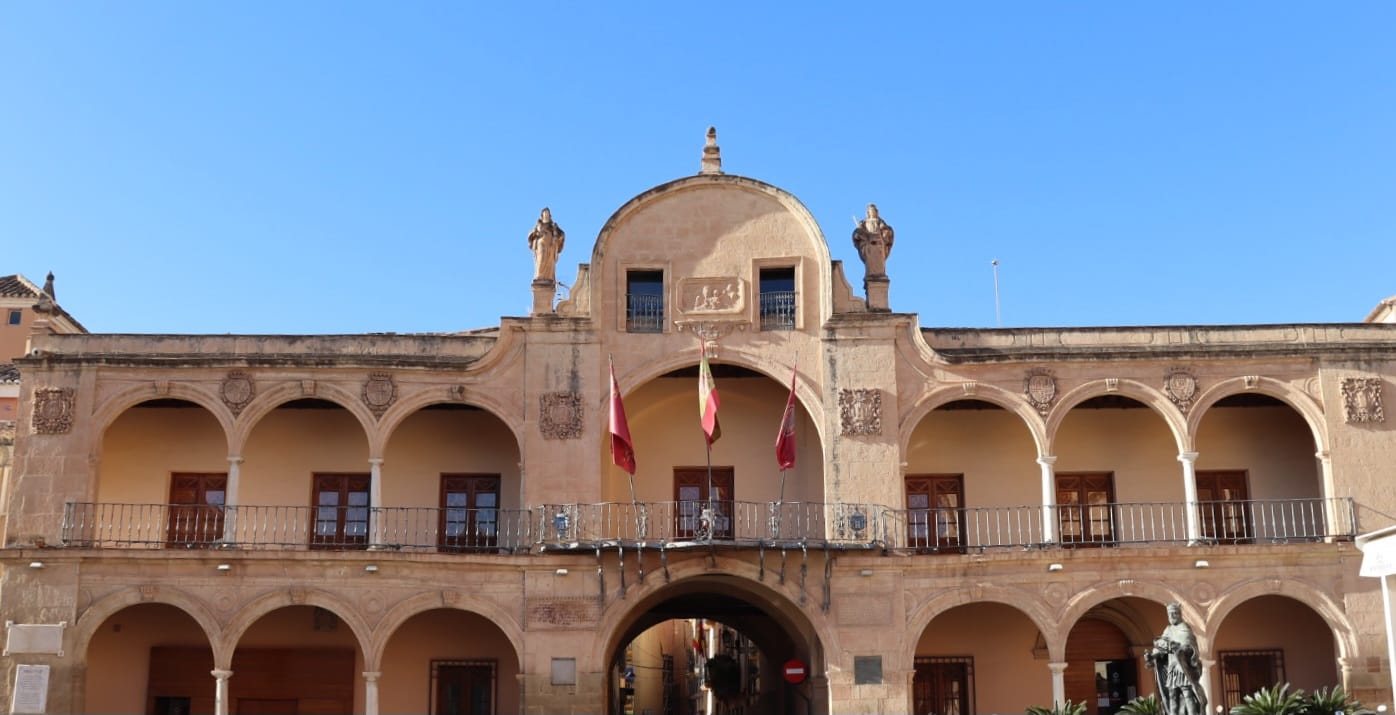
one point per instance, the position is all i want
(708, 402)
(622, 451)
(785, 440)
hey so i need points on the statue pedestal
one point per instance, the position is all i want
(876, 289)
(543, 292)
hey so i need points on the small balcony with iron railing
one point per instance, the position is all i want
(707, 524)
(778, 310)
(644, 313)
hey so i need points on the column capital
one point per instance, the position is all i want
(1324, 456)
(375, 461)
(1057, 667)
(221, 674)
(1046, 460)
(372, 676)
(234, 459)
(1187, 457)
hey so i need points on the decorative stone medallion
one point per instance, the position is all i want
(1250, 381)
(560, 415)
(1362, 400)
(1041, 389)
(456, 392)
(1181, 387)
(237, 390)
(380, 392)
(53, 410)
(861, 411)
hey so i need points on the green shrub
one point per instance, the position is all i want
(1066, 708)
(1326, 701)
(1143, 706)
(1272, 701)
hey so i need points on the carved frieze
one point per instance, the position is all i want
(1041, 389)
(560, 415)
(562, 613)
(379, 392)
(53, 410)
(698, 296)
(237, 390)
(1362, 400)
(1181, 387)
(861, 411)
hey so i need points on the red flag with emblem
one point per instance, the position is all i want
(708, 402)
(622, 451)
(785, 440)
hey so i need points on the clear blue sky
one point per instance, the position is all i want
(327, 167)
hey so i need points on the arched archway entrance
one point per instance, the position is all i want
(151, 658)
(714, 643)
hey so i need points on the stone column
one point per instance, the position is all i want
(1338, 521)
(1049, 499)
(371, 692)
(220, 691)
(1209, 666)
(1345, 664)
(1058, 669)
(375, 502)
(230, 499)
(1194, 526)
(544, 291)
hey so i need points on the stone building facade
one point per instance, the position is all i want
(977, 520)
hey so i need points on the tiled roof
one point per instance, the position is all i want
(9, 372)
(15, 286)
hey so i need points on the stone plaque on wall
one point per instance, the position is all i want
(560, 415)
(53, 410)
(861, 411)
(1362, 400)
(34, 638)
(562, 614)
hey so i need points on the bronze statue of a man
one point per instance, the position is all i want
(873, 239)
(1177, 667)
(545, 240)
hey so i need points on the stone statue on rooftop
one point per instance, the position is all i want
(1177, 667)
(873, 239)
(545, 240)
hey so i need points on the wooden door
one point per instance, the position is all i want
(341, 511)
(691, 497)
(936, 512)
(469, 512)
(1085, 508)
(943, 686)
(196, 509)
(464, 690)
(1222, 500)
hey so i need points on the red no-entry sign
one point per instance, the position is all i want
(794, 671)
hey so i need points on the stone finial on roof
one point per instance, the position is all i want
(712, 155)
(48, 286)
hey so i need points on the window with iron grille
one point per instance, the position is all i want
(777, 298)
(644, 301)
(944, 685)
(1246, 671)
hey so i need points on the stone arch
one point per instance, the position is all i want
(117, 404)
(1029, 604)
(274, 397)
(806, 389)
(1321, 602)
(251, 612)
(1299, 401)
(642, 597)
(1077, 607)
(819, 246)
(433, 600)
(109, 605)
(946, 394)
(408, 405)
(1133, 389)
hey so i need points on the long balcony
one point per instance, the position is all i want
(729, 524)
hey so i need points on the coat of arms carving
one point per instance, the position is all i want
(1181, 387)
(861, 411)
(1362, 400)
(237, 390)
(380, 392)
(1041, 388)
(560, 415)
(53, 410)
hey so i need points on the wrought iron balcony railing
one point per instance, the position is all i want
(778, 310)
(677, 525)
(644, 313)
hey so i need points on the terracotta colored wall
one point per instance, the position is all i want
(118, 657)
(1135, 444)
(1270, 622)
(145, 444)
(429, 443)
(1273, 443)
(992, 448)
(1007, 675)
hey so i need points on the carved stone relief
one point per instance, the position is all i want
(379, 392)
(712, 295)
(456, 392)
(1362, 400)
(1041, 389)
(560, 415)
(1251, 381)
(53, 410)
(861, 411)
(1181, 387)
(237, 390)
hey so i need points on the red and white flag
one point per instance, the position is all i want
(622, 451)
(708, 402)
(785, 440)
